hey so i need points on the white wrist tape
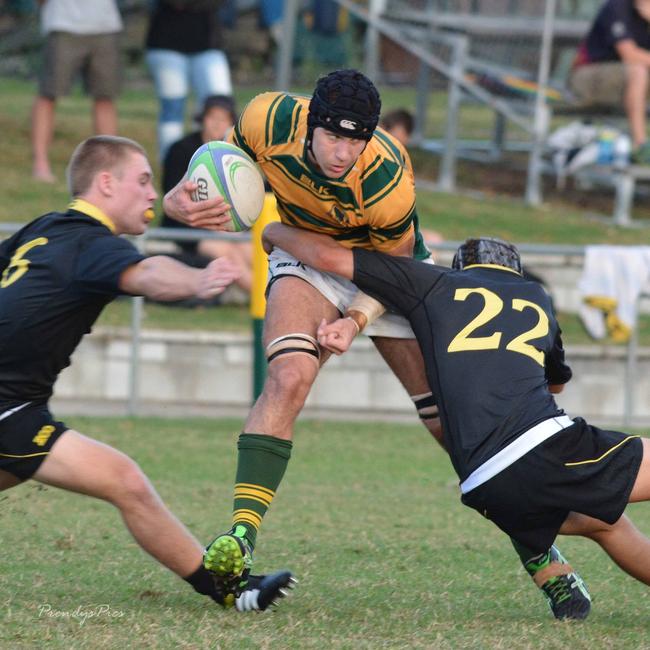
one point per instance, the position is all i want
(370, 308)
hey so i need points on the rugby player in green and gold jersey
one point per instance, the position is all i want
(332, 172)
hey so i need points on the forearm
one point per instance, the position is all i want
(364, 310)
(161, 278)
(316, 250)
(632, 54)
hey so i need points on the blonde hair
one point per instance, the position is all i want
(96, 154)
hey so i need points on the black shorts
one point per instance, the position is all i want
(26, 437)
(580, 469)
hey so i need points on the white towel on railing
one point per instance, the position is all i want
(615, 276)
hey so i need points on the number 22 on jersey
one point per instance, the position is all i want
(492, 306)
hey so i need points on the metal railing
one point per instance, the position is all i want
(190, 235)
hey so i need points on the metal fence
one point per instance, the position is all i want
(482, 68)
(565, 253)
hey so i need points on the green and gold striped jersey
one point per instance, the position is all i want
(371, 206)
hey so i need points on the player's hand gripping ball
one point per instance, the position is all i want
(222, 169)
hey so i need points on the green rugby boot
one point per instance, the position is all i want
(228, 557)
(566, 593)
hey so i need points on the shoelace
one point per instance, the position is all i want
(557, 590)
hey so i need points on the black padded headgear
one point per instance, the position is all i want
(345, 102)
(487, 250)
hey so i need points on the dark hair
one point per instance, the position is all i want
(398, 117)
(226, 102)
(487, 250)
(96, 154)
(345, 102)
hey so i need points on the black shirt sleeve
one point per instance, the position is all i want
(400, 283)
(557, 371)
(102, 261)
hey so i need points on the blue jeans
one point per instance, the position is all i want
(174, 74)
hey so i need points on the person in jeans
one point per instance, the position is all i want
(184, 52)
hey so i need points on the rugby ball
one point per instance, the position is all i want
(222, 169)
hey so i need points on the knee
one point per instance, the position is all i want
(637, 75)
(131, 486)
(289, 380)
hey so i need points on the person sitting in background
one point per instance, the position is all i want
(183, 51)
(612, 66)
(399, 123)
(216, 118)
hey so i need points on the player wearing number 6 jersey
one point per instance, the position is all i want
(57, 273)
(489, 338)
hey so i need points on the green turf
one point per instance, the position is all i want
(368, 517)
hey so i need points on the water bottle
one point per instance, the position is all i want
(622, 149)
(606, 148)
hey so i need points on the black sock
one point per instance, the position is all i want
(203, 583)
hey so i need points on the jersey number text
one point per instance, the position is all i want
(19, 264)
(493, 305)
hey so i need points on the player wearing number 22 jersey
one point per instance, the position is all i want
(492, 347)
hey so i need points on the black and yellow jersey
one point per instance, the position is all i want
(491, 345)
(372, 206)
(56, 275)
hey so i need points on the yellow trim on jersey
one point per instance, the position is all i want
(40, 453)
(597, 460)
(93, 212)
(491, 266)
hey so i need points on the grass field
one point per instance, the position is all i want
(368, 517)
(455, 216)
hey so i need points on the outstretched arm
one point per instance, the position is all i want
(325, 254)
(319, 251)
(163, 278)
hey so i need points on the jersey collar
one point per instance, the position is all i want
(93, 212)
(491, 266)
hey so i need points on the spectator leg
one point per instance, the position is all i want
(42, 130)
(636, 93)
(210, 75)
(170, 72)
(104, 116)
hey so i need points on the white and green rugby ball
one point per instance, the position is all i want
(222, 169)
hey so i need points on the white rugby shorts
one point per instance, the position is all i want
(339, 291)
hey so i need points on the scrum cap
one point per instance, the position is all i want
(487, 250)
(345, 102)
